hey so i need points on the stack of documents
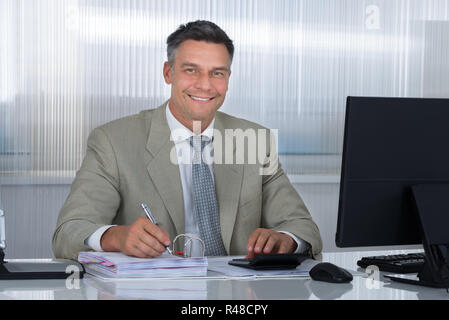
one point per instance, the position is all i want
(119, 265)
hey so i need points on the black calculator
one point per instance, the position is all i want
(270, 261)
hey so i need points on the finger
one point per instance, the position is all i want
(261, 241)
(251, 243)
(133, 250)
(250, 255)
(140, 249)
(148, 241)
(142, 233)
(149, 252)
(157, 232)
(252, 240)
(147, 237)
(272, 242)
(141, 252)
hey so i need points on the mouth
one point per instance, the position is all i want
(200, 99)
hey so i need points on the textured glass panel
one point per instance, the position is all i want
(69, 66)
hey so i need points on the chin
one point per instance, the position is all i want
(201, 116)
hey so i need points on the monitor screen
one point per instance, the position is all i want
(390, 144)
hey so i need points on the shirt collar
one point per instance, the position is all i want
(181, 133)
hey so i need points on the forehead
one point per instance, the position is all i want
(202, 53)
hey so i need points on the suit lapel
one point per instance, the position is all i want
(163, 172)
(228, 183)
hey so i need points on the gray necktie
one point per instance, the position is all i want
(205, 201)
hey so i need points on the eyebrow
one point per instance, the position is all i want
(190, 64)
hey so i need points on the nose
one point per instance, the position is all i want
(203, 82)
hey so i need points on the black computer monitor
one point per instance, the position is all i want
(390, 144)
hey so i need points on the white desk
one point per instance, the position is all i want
(361, 288)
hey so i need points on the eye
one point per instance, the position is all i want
(190, 70)
(218, 74)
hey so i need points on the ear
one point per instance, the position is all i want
(167, 73)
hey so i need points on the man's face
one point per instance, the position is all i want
(199, 81)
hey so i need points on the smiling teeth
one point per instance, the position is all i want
(200, 99)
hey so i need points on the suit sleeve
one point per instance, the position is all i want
(93, 199)
(284, 210)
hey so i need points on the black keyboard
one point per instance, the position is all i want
(401, 263)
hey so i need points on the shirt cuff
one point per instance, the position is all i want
(302, 247)
(94, 240)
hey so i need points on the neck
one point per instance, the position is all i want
(197, 126)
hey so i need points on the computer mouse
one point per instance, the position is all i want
(329, 272)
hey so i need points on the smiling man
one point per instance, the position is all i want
(233, 208)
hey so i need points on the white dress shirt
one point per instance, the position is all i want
(180, 135)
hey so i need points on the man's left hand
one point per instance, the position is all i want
(269, 241)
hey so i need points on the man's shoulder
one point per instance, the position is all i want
(129, 125)
(120, 122)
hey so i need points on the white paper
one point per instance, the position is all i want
(220, 265)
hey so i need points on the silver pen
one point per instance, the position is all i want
(153, 220)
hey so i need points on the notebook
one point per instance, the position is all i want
(119, 265)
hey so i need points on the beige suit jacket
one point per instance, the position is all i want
(128, 163)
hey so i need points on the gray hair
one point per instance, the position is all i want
(199, 30)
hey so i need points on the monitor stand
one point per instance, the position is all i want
(432, 206)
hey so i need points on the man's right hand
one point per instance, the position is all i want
(142, 239)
